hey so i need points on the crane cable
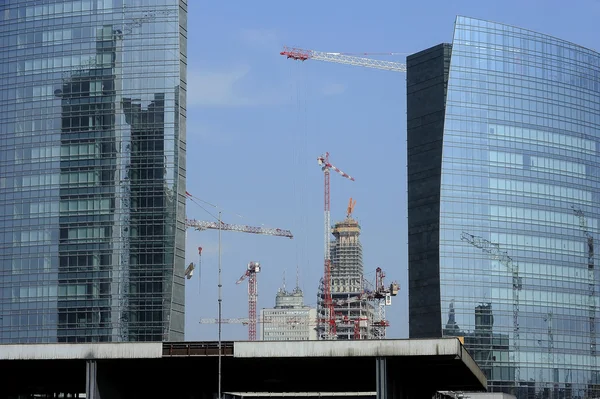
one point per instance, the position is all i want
(299, 140)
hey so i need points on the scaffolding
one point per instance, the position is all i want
(354, 315)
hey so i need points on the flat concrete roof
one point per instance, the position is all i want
(390, 348)
(370, 348)
(138, 350)
(276, 366)
(299, 394)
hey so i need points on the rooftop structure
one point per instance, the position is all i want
(290, 319)
(390, 368)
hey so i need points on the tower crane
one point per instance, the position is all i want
(351, 205)
(382, 295)
(219, 225)
(245, 321)
(493, 249)
(329, 322)
(252, 269)
(591, 278)
(299, 54)
(201, 225)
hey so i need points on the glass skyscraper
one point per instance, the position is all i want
(92, 170)
(503, 195)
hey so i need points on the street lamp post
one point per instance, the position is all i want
(220, 300)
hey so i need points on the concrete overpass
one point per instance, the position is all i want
(392, 369)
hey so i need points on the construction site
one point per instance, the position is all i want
(348, 305)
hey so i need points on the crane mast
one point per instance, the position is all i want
(251, 270)
(493, 249)
(329, 323)
(591, 280)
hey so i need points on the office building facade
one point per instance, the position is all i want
(290, 319)
(92, 170)
(503, 194)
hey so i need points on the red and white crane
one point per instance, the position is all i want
(299, 54)
(252, 285)
(251, 270)
(382, 296)
(329, 322)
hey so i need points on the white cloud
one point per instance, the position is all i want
(333, 89)
(222, 88)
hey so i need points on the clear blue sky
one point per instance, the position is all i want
(256, 123)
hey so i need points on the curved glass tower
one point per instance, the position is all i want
(92, 170)
(504, 187)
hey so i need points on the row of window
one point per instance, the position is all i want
(539, 216)
(540, 164)
(521, 134)
(498, 36)
(526, 94)
(77, 292)
(32, 13)
(521, 188)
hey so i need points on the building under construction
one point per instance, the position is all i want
(353, 313)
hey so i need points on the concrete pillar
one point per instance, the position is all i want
(381, 377)
(91, 380)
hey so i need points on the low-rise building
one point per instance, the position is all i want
(290, 319)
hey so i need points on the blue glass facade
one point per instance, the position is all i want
(518, 183)
(92, 170)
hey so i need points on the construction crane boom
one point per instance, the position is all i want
(493, 249)
(299, 54)
(225, 321)
(244, 321)
(204, 225)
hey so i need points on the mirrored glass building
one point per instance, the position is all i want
(92, 170)
(503, 194)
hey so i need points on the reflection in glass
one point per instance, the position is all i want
(89, 152)
(518, 215)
